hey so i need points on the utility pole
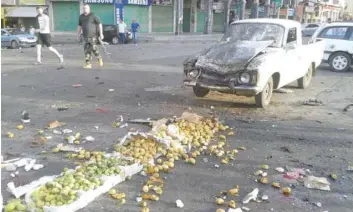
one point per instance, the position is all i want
(267, 8)
(227, 6)
(209, 17)
(179, 17)
(242, 9)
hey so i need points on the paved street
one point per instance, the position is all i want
(147, 83)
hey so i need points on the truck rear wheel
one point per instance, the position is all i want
(306, 79)
(200, 92)
(263, 98)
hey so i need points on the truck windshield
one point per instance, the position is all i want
(255, 32)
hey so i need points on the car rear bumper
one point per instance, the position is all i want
(241, 90)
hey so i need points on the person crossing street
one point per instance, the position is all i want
(91, 28)
(44, 37)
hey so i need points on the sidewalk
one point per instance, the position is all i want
(70, 37)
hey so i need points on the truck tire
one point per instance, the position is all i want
(200, 92)
(340, 62)
(14, 44)
(263, 98)
(304, 82)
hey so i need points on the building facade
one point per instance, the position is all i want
(349, 8)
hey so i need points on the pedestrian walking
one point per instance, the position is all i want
(122, 31)
(91, 28)
(44, 37)
(134, 28)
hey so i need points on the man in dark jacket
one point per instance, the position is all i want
(91, 28)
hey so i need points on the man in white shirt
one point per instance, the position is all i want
(44, 37)
(122, 30)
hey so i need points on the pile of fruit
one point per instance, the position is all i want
(15, 205)
(143, 150)
(63, 190)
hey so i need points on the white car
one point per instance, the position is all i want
(254, 57)
(309, 29)
(338, 39)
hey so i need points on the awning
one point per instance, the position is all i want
(21, 12)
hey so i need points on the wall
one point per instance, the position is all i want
(200, 27)
(218, 22)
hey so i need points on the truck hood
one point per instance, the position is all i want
(230, 56)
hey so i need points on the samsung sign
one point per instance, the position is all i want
(98, 1)
(137, 2)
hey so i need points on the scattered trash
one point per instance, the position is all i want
(212, 107)
(216, 165)
(205, 160)
(25, 117)
(219, 201)
(68, 148)
(89, 139)
(251, 196)
(37, 166)
(264, 174)
(111, 90)
(30, 165)
(96, 127)
(231, 204)
(264, 180)
(76, 85)
(313, 102)
(57, 132)
(141, 121)
(291, 175)
(62, 108)
(279, 169)
(67, 131)
(245, 208)
(138, 199)
(179, 203)
(235, 210)
(350, 168)
(49, 137)
(70, 139)
(124, 125)
(320, 183)
(348, 108)
(318, 204)
(55, 124)
(264, 197)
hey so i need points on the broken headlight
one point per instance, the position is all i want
(194, 73)
(245, 78)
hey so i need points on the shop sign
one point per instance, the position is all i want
(119, 12)
(309, 9)
(290, 12)
(137, 2)
(283, 12)
(98, 1)
(31, 2)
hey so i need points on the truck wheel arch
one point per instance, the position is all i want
(276, 79)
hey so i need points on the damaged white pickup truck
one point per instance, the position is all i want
(253, 58)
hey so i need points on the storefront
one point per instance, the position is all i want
(104, 9)
(136, 9)
(64, 15)
(162, 16)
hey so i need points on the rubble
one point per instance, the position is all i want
(179, 204)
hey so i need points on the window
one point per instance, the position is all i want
(351, 38)
(292, 35)
(312, 26)
(3, 32)
(334, 33)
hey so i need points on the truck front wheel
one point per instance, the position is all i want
(306, 79)
(200, 92)
(263, 98)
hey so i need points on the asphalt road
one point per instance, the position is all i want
(318, 138)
